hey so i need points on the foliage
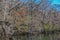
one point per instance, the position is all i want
(47, 26)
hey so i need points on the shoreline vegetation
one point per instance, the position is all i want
(20, 32)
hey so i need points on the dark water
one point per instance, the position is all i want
(38, 37)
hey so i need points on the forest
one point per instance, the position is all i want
(29, 20)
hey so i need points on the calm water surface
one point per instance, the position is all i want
(38, 37)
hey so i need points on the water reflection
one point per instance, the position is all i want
(38, 37)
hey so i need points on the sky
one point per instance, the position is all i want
(55, 1)
(24, 1)
(56, 4)
(36, 1)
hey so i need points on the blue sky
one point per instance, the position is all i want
(24, 1)
(36, 1)
(56, 4)
(55, 1)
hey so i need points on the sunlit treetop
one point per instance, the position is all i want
(56, 4)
